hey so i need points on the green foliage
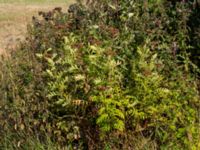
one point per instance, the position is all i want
(102, 76)
(157, 104)
(111, 112)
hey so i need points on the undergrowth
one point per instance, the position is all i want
(105, 75)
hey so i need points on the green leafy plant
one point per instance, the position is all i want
(111, 112)
(106, 75)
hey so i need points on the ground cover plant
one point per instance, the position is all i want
(104, 75)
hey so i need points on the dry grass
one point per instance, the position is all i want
(14, 16)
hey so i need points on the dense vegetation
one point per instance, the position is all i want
(111, 74)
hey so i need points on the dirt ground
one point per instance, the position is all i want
(14, 18)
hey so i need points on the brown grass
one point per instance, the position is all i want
(14, 18)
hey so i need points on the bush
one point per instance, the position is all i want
(102, 76)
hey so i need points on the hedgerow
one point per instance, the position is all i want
(105, 75)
